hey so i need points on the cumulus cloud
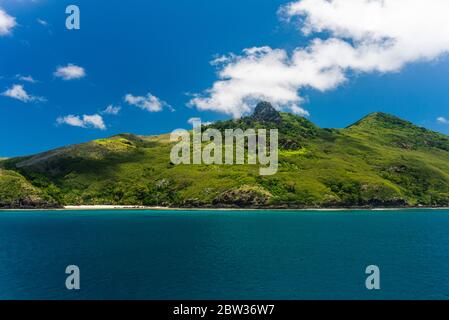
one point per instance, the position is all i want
(112, 110)
(258, 74)
(7, 23)
(149, 102)
(387, 34)
(85, 121)
(18, 92)
(442, 120)
(350, 36)
(70, 72)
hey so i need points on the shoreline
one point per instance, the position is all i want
(158, 208)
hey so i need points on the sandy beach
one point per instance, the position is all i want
(114, 207)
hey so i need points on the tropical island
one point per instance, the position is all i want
(379, 161)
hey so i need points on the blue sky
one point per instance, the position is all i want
(164, 48)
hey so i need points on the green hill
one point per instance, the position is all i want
(17, 192)
(379, 161)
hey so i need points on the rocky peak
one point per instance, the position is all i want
(265, 112)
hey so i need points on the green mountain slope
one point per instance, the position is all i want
(379, 161)
(17, 192)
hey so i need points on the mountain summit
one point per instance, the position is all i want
(382, 119)
(265, 112)
(381, 161)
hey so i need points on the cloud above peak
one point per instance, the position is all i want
(258, 74)
(70, 72)
(346, 36)
(7, 23)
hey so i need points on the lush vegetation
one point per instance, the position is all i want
(379, 161)
(17, 192)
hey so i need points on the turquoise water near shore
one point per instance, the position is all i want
(224, 254)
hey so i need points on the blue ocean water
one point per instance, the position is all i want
(224, 254)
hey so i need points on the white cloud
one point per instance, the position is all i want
(29, 79)
(299, 111)
(442, 120)
(387, 34)
(191, 121)
(95, 121)
(362, 36)
(258, 74)
(86, 121)
(70, 72)
(18, 92)
(71, 120)
(112, 110)
(7, 23)
(42, 22)
(149, 102)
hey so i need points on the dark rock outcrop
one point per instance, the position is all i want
(245, 196)
(265, 112)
